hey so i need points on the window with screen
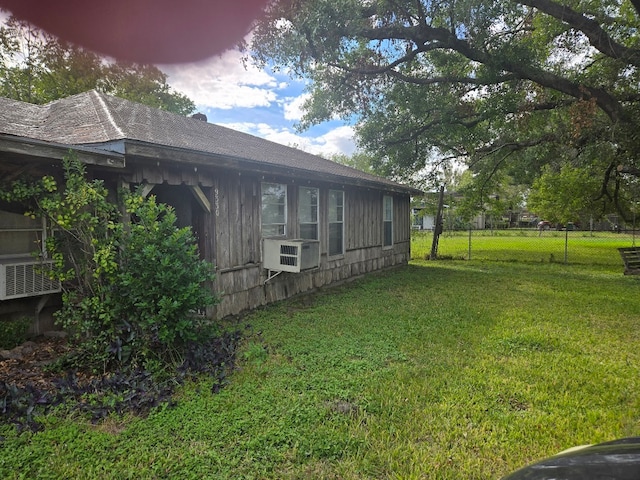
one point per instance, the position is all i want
(336, 222)
(387, 220)
(308, 213)
(274, 209)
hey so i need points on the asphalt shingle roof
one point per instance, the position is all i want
(96, 118)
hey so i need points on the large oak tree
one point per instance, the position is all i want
(498, 85)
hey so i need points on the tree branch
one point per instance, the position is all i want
(598, 38)
(430, 38)
(514, 145)
(447, 80)
(604, 190)
(629, 169)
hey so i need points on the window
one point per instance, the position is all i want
(20, 235)
(387, 220)
(336, 222)
(308, 213)
(274, 209)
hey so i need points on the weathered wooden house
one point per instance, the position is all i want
(274, 220)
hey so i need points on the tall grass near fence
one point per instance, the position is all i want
(574, 247)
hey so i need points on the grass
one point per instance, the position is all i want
(440, 370)
(580, 247)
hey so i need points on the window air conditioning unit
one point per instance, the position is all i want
(26, 278)
(290, 255)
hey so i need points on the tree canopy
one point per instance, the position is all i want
(36, 67)
(501, 85)
(563, 196)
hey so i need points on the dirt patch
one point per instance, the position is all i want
(28, 365)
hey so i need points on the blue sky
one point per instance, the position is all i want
(256, 101)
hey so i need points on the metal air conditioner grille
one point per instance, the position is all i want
(26, 279)
(289, 255)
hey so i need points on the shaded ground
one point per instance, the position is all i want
(32, 358)
(28, 388)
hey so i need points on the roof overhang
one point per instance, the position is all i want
(38, 149)
(193, 157)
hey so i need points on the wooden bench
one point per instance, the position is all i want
(631, 258)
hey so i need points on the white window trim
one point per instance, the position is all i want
(317, 222)
(329, 222)
(41, 231)
(385, 221)
(286, 210)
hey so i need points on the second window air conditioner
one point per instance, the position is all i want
(20, 277)
(290, 255)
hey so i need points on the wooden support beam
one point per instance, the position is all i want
(145, 190)
(201, 198)
(123, 186)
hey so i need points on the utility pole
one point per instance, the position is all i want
(438, 226)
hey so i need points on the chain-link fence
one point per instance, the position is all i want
(569, 246)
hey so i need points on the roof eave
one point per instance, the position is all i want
(57, 151)
(196, 157)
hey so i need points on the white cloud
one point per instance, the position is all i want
(336, 141)
(223, 82)
(339, 140)
(293, 107)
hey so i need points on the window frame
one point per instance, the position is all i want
(387, 221)
(331, 221)
(317, 212)
(35, 232)
(282, 224)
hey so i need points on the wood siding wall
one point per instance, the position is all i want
(230, 235)
(242, 281)
(229, 227)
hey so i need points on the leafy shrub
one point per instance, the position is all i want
(159, 284)
(14, 332)
(130, 293)
(130, 301)
(149, 284)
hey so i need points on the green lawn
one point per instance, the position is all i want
(440, 370)
(597, 248)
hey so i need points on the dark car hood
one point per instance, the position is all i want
(617, 460)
